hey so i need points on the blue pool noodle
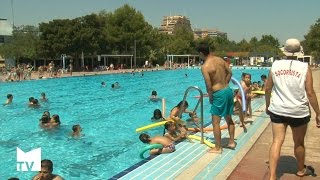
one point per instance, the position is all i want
(243, 97)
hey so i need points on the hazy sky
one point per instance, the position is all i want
(241, 19)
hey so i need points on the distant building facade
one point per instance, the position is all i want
(170, 23)
(5, 34)
(202, 33)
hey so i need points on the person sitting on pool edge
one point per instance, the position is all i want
(176, 116)
(46, 172)
(168, 145)
(175, 112)
(172, 132)
(157, 115)
(76, 130)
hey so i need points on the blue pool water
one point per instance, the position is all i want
(108, 117)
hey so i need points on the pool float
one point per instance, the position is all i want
(150, 126)
(258, 92)
(225, 126)
(208, 143)
(243, 97)
(149, 147)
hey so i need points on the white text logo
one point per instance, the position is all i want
(29, 161)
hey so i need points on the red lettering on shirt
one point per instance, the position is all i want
(287, 72)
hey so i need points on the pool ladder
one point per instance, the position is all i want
(200, 102)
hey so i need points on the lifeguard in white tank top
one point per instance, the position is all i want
(288, 100)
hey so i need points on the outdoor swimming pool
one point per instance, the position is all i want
(108, 117)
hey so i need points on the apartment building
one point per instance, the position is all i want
(5, 34)
(202, 33)
(170, 23)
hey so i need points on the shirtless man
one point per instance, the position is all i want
(217, 75)
(46, 172)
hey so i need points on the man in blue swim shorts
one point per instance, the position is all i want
(217, 74)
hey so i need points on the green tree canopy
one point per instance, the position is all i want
(312, 41)
(182, 41)
(23, 45)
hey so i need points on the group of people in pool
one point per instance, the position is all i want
(175, 130)
(115, 85)
(33, 102)
(48, 122)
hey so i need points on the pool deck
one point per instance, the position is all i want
(247, 161)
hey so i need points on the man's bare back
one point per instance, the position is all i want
(216, 73)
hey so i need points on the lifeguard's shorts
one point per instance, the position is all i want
(293, 122)
(222, 102)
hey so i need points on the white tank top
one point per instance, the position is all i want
(289, 97)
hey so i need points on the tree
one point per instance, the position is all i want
(163, 43)
(182, 41)
(312, 41)
(57, 37)
(23, 44)
(127, 27)
(254, 43)
(269, 40)
(244, 46)
(207, 40)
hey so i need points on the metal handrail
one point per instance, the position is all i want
(200, 101)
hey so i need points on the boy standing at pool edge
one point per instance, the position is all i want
(217, 75)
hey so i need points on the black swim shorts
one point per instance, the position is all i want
(293, 122)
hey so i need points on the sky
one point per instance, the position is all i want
(240, 19)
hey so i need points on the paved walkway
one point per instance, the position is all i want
(254, 164)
